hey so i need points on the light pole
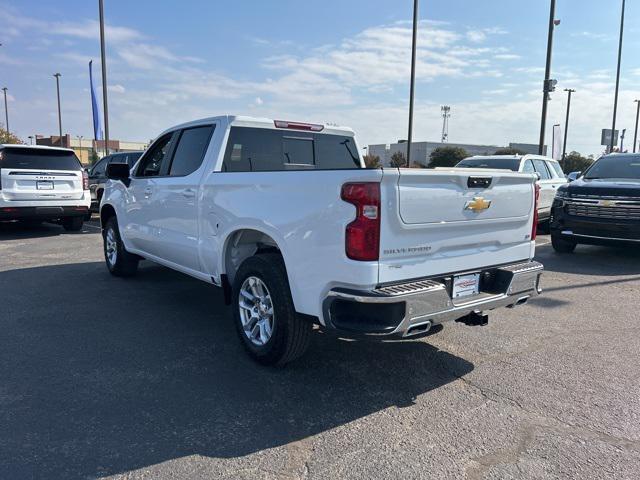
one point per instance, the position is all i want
(566, 123)
(413, 79)
(549, 85)
(57, 75)
(6, 109)
(615, 100)
(104, 78)
(635, 135)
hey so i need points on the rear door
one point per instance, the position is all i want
(40, 174)
(548, 187)
(439, 222)
(174, 202)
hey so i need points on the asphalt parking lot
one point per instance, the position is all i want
(144, 378)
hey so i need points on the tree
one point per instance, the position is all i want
(447, 156)
(574, 162)
(509, 151)
(93, 157)
(372, 161)
(398, 160)
(8, 137)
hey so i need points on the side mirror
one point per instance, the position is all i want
(119, 171)
(574, 176)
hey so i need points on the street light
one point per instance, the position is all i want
(104, 78)
(6, 109)
(615, 100)
(549, 85)
(635, 136)
(57, 76)
(413, 78)
(566, 124)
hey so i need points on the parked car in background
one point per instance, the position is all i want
(601, 207)
(98, 173)
(285, 218)
(548, 170)
(43, 184)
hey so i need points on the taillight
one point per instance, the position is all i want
(85, 180)
(362, 241)
(534, 229)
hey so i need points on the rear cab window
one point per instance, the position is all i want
(261, 149)
(512, 164)
(39, 159)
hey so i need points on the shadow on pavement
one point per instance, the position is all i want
(20, 230)
(103, 375)
(591, 260)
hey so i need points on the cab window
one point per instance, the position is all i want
(541, 168)
(152, 162)
(190, 150)
(528, 167)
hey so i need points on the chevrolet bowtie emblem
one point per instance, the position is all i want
(478, 204)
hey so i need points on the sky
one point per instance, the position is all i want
(339, 61)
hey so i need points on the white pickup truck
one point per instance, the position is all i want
(285, 218)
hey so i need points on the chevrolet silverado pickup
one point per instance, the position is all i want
(602, 207)
(284, 217)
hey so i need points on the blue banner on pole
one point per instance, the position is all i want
(97, 124)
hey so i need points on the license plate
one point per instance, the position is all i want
(466, 285)
(46, 185)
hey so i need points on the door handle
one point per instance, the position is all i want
(189, 193)
(147, 192)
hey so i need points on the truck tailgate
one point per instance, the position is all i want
(440, 222)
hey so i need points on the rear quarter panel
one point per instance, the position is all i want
(300, 210)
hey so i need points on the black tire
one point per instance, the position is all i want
(561, 245)
(124, 264)
(291, 334)
(73, 224)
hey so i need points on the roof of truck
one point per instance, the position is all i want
(257, 122)
(33, 147)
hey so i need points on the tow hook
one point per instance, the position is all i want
(475, 319)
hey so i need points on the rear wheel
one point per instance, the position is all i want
(561, 245)
(119, 262)
(266, 321)
(73, 224)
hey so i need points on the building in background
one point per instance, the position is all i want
(84, 147)
(421, 151)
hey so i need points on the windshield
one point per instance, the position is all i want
(39, 158)
(489, 162)
(615, 166)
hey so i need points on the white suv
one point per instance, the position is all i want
(548, 170)
(43, 183)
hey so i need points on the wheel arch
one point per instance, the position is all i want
(243, 243)
(106, 212)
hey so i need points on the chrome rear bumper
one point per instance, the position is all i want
(412, 308)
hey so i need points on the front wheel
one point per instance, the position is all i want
(266, 321)
(561, 245)
(119, 262)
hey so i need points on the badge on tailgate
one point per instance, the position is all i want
(478, 204)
